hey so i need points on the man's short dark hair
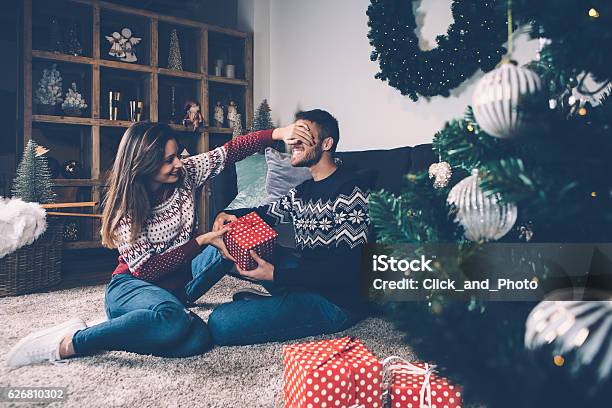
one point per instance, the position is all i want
(327, 123)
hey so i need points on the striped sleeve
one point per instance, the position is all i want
(204, 166)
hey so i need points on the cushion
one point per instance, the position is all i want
(251, 181)
(282, 176)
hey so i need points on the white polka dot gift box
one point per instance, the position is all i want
(414, 385)
(337, 373)
(250, 232)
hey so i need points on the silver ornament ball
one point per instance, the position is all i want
(482, 217)
(497, 97)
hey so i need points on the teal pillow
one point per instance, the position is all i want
(251, 182)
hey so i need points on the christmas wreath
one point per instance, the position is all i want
(473, 41)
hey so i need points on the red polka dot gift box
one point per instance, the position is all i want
(337, 373)
(250, 232)
(414, 385)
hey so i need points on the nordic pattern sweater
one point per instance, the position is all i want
(163, 250)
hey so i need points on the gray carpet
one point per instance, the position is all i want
(247, 376)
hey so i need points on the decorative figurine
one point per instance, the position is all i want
(128, 45)
(232, 111)
(122, 45)
(72, 169)
(193, 116)
(116, 41)
(219, 115)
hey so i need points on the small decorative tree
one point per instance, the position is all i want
(49, 91)
(174, 57)
(73, 45)
(73, 102)
(262, 119)
(55, 36)
(33, 180)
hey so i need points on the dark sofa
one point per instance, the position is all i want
(387, 167)
(383, 168)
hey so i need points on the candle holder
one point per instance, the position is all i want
(136, 110)
(114, 100)
(173, 118)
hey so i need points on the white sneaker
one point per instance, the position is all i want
(42, 345)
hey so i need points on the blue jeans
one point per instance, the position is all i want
(287, 314)
(146, 319)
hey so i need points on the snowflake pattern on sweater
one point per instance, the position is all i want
(322, 223)
(332, 225)
(165, 242)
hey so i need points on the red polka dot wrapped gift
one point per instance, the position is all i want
(414, 385)
(337, 373)
(250, 232)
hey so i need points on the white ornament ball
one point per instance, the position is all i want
(442, 172)
(497, 97)
(483, 218)
(581, 329)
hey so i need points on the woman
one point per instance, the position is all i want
(150, 217)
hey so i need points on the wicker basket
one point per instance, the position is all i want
(34, 267)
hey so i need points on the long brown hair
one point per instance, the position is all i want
(139, 157)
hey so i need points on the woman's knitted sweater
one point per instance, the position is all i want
(163, 250)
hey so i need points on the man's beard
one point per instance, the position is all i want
(312, 157)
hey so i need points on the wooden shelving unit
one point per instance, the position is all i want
(94, 137)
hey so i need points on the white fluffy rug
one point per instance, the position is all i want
(247, 376)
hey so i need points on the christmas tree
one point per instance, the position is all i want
(49, 90)
(555, 172)
(73, 45)
(174, 57)
(33, 180)
(55, 36)
(262, 119)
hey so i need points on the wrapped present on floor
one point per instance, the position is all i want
(414, 385)
(331, 373)
(250, 232)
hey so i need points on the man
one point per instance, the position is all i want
(317, 292)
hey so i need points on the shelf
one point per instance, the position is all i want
(115, 123)
(125, 66)
(180, 74)
(220, 130)
(82, 244)
(224, 80)
(68, 120)
(181, 128)
(54, 56)
(93, 139)
(105, 5)
(77, 182)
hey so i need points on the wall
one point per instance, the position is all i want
(319, 57)
(254, 16)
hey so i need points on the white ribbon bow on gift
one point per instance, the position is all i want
(395, 364)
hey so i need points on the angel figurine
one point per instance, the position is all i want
(219, 115)
(128, 45)
(116, 41)
(193, 116)
(232, 111)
